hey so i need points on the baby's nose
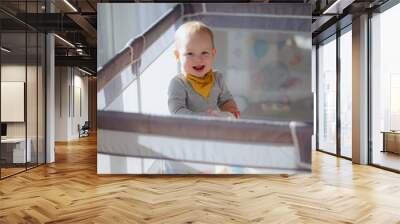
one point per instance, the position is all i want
(199, 58)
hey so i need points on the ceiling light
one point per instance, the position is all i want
(326, 11)
(86, 72)
(5, 50)
(65, 41)
(338, 6)
(70, 5)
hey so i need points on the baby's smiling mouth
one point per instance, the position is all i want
(199, 67)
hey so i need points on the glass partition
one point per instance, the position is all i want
(31, 100)
(22, 87)
(14, 153)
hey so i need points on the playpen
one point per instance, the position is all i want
(262, 142)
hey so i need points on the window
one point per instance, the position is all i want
(346, 93)
(385, 89)
(327, 96)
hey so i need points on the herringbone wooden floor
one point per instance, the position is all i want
(70, 191)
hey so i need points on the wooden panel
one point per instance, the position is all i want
(92, 103)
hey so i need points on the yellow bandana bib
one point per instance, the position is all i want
(202, 85)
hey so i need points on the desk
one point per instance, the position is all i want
(13, 150)
(391, 141)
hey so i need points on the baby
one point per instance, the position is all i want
(198, 90)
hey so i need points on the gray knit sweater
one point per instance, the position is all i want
(182, 99)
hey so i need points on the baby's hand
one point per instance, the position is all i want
(236, 114)
(211, 112)
(230, 106)
(216, 113)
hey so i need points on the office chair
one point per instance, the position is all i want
(84, 130)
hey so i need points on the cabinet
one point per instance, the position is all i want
(391, 141)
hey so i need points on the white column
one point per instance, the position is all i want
(50, 92)
(360, 90)
(50, 108)
(63, 100)
(314, 91)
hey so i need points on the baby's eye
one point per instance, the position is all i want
(205, 53)
(189, 54)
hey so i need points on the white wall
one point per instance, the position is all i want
(33, 126)
(70, 83)
(79, 117)
(12, 73)
(61, 103)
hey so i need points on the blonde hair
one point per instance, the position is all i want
(193, 27)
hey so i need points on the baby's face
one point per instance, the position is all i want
(196, 54)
